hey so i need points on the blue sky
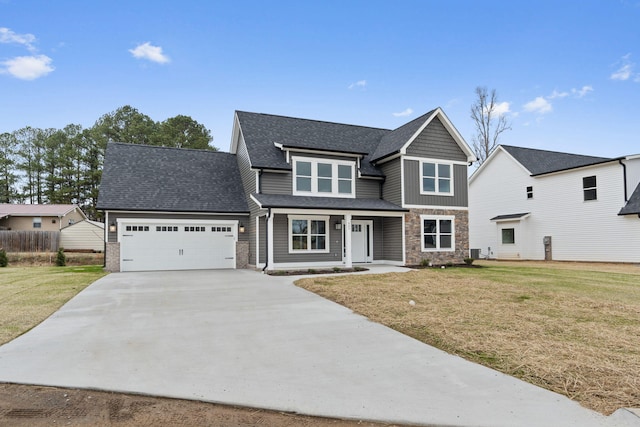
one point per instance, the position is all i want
(567, 72)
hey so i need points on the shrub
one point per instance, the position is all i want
(4, 261)
(426, 262)
(336, 269)
(468, 261)
(61, 259)
(449, 264)
(311, 271)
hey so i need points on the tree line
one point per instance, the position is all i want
(47, 166)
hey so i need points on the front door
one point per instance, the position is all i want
(362, 241)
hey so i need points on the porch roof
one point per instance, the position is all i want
(510, 217)
(324, 203)
(633, 205)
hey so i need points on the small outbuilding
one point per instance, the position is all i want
(83, 236)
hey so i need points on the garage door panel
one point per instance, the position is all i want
(172, 246)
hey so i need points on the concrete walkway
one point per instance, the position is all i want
(241, 338)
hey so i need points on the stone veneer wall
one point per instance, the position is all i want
(413, 236)
(242, 254)
(112, 257)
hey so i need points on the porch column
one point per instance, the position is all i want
(270, 240)
(348, 263)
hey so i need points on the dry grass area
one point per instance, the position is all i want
(573, 328)
(28, 295)
(33, 259)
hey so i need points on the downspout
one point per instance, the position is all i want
(266, 241)
(624, 180)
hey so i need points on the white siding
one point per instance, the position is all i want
(580, 231)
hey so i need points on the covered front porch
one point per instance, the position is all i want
(314, 234)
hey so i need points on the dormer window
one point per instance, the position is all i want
(323, 177)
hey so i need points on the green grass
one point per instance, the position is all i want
(572, 328)
(28, 295)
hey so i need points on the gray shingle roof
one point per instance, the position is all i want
(309, 202)
(142, 177)
(261, 131)
(394, 140)
(539, 162)
(509, 216)
(633, 204)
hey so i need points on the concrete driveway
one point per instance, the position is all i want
(239, 337)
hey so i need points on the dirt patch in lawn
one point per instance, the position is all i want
(571, 328)
(35, 406)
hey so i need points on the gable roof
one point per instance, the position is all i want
(633, 204)
(8, 209)
(539, 162)
(262, 132)
(142, 177)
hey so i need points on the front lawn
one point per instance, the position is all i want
(28, 295)
(570, 328)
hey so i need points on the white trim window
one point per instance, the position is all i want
(308, 234)
(589, 188)
(436, 178)
(438, 233)
(323, 177)
(37, 222)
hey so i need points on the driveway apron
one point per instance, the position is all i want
(242, 338)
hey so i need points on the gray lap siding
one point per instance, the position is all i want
(281, 243)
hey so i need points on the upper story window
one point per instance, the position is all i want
(589, 188)
(437, 178)
(529, 192)
(323, 177)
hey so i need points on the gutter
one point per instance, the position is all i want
(624, 180)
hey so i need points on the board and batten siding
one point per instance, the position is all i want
(412, 196)
(281, 243)
(392, 187)
(392, 248)
(435, 142)
(580, 230)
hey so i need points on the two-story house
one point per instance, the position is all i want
(545, 205)
(292, 193)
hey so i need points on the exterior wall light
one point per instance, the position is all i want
(241, 228)
(112, 227)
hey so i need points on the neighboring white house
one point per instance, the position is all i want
(536, 204)
(83, 236)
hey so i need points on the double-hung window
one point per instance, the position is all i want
(37, 222)
(308, 234)
(437, 178)
(323, 177)
(589, 188)
(437, 233)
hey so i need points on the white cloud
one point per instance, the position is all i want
(626, 69)
(539, 105)
(27, 67)
(404, 113)
(149, 52)
(8, 36)
(583, 91)
(556, 94)
(359, 84)
(501, 108)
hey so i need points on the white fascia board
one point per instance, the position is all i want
(175, 213)
(235, 132)
(452, 208)
(388, 159)
(256, 201)
(434, 160)
(311, 212)
(450, 128)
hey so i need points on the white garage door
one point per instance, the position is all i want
(147, 245)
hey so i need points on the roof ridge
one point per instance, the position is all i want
(314, 120)
(555, 152)
(168, 148)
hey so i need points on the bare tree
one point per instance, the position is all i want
(490, 123)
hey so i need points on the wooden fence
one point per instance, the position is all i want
(29, 241)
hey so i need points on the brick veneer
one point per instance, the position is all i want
(112, 257)
(413, 236)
